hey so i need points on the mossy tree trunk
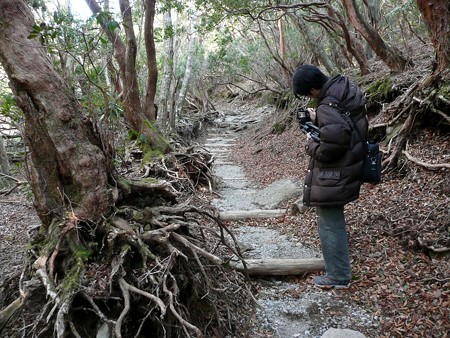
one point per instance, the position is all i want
(69, 168)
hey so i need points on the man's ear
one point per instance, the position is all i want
(314, 92)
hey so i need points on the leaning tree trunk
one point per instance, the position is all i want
(391, 56)
(437, 17)
(353, 45)
(69, 167)
(316, 49)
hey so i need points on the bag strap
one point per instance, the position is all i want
(332, 102)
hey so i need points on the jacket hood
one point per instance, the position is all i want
(349, 96)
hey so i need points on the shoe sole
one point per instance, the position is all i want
(332, 286)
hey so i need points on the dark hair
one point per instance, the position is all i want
(307, 77)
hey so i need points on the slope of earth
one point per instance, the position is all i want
(404, 284)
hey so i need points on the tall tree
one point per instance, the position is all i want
(388, 54)
(437, 18)
(140, 113)
(189, 64)
(69, 166)
(164, 93)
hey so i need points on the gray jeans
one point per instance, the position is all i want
(333, 238)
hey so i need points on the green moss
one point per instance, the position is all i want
(381, 90)
(138, 215)
(72, 278)
(150, 180)
(83, 252)
(278, 128)
(151, 154)
(47, 239)
(444, 89)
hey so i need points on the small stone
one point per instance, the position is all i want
(342, 333)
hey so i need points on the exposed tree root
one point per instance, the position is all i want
(10, 310)
(431, 166)
(414, 106)
(160, 269)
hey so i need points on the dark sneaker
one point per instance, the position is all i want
(326, 282)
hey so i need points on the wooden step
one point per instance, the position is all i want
(279, 267)
(243, 214)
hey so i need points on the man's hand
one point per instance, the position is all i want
(312, 114)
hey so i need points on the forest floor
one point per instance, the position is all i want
(396, 229)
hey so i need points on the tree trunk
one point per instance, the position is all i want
(4, 165)
(164, 92)
(188, 69)
(282, 39)
(174, 83)
(318, 52)
(69, 168)
(389, 55)
(354, 46)
(437, 18)
(152, 77)
(139, 116)
(279, 267)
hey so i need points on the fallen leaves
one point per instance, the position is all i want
(392, 230)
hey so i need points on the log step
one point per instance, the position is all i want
(280, 267)
(243, 214)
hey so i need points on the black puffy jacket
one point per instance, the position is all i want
(333, 176)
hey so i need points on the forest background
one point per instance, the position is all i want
(81, 99)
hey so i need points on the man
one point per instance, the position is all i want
(333, 177)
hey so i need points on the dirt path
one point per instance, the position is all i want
(288, 307)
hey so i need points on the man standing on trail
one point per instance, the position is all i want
(333, 177)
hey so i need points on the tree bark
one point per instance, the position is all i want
(282, 39)
(152, 77)
(188, 69)
(164, 93)
(69, 168)
(175, 82)
(4, 164)
(279, 267)
(391, 56)
(138, 115)
(318, 52)
(437, 18)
